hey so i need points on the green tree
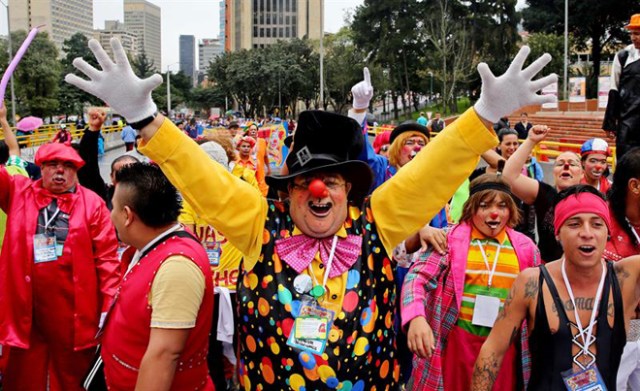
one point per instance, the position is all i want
(593, 23)
(38, 75)
(203, 98)
(72, 99)
(143, 66)
(541, 43)
(386, 31)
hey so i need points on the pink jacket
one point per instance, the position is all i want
(433, 288)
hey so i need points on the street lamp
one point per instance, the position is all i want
(169, 88)
(566, 45)
(321, 54)
(13, 95)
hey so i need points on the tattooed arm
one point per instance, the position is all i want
(628, 275)
(523, 292)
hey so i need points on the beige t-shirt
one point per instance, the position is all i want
(176, 294)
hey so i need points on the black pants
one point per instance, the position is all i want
(626, 138)
(215, 358)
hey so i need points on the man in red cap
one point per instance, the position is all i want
(58, 273)
(577, 306)
(622, 117)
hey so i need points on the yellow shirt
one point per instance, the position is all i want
(176, 294)
(401, 206)
(226, 270)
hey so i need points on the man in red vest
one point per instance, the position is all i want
(156, 335)
(58, 271)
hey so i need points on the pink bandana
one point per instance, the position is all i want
(580, 203)
(298, 252)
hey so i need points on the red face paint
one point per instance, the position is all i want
(493, 215)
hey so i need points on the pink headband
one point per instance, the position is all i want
(580, 203)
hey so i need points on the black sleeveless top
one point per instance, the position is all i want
(551, 354)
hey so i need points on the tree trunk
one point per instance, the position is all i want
(596, 57)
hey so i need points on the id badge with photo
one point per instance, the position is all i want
(44, 248)
(584, 380)
(213, 252)
(485, 310)
(311, 327)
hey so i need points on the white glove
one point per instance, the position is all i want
(503, 95)
(116, 84)
(362, 92)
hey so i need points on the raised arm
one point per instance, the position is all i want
(523, 292)
(9, 138)
(417, 192)
(492, 157)
(522, 186)
(362, 93)
(212, 191)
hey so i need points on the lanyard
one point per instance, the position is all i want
(585, 334)
(491, 270)
(48, 220)
(633, 230)
(325, 275)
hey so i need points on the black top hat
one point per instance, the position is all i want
(408, 126)
(329, 142)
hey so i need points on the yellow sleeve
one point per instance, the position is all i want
(187, 214)
(212, 191)
(176, 294)
(407, 201)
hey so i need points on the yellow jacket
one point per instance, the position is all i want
(401, 206)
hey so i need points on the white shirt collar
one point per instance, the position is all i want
(138, 254)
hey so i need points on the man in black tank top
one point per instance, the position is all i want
(576, 307)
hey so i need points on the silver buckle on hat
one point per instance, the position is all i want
(304, 156)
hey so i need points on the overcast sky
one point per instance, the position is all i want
(194, 17)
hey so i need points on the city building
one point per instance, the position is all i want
(259, 23)
(208, 49)
(188, 55)
(222, 22)
(144, 20)
(60, 18)
(115, 28)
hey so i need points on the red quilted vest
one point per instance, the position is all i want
(127, 329)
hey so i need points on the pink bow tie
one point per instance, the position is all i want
(298, 252)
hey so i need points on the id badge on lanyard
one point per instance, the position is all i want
(588, 379)
(213, 252)
(486, 309)
(487, 305)
(311, 328)
(44, 248)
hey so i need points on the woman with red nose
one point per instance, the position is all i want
(465, 289)
(567, 171)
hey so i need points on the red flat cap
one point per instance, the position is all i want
(60, 152)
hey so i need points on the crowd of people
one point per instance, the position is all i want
(397, 264)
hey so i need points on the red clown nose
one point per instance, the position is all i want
(494, 215)
(318, 189)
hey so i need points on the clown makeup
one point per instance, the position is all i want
(594, 167)
(567, 170)
(319, 217)
(58, 176)
(410, 149)
(492, 215)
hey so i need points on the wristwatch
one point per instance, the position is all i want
(143, 122)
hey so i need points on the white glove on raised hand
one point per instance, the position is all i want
(503, 95)
(362, 92)
(116, 84)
